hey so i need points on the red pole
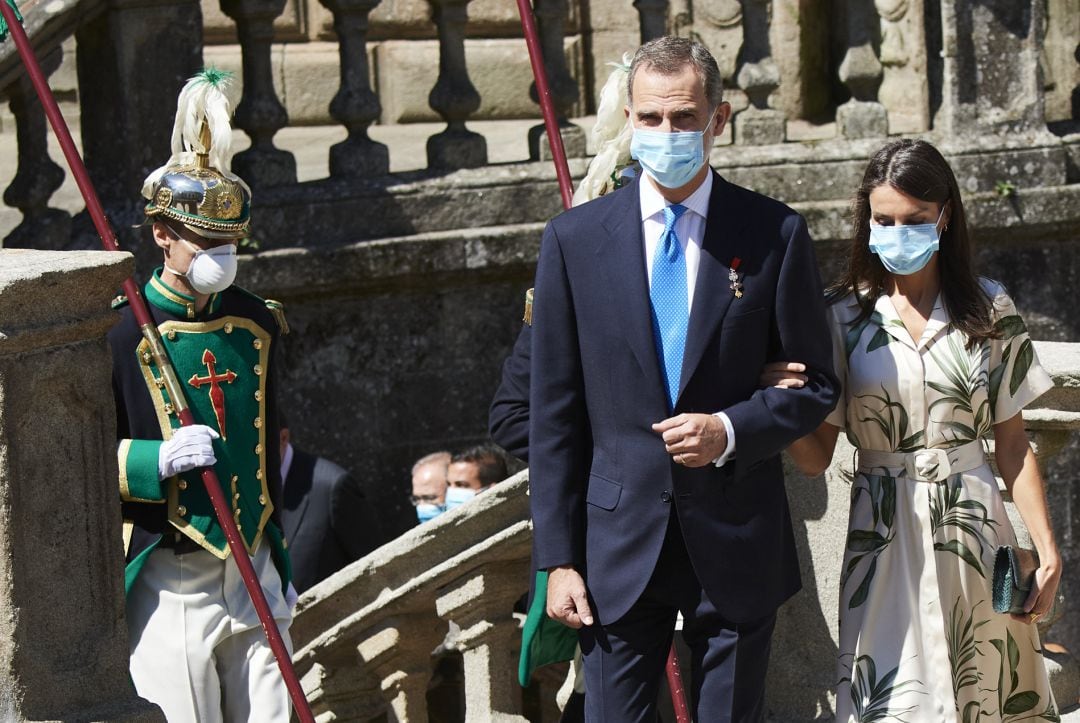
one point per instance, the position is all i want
(566, 188)
(547, 107)
(149, 329)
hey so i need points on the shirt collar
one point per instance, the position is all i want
(286, 462)
(652, 203)
(166, 298)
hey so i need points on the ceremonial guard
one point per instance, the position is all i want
(197, 648)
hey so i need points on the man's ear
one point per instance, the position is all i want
(721, 118)
(163, 237)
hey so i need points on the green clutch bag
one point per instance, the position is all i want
(1014, 573)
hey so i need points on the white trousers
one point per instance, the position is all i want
(197, 648)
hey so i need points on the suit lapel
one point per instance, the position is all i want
(297, 492)
(624, 267)
(712, 293)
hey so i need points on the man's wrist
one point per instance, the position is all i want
(729, 449)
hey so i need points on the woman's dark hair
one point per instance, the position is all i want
(916, 168)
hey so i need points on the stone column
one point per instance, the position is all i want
(399, 651)
(980, 93)
(758, 76)
(454, 97)
(260, 114)
(860, 71)
(482, 604)
(37, 177)
(132, 61)
(63, 642)
(551, 26)
(653, 15)
(904, 88)
(355, 105)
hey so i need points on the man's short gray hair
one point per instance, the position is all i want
(670, 55)
(442, 457)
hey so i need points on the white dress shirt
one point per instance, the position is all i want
(690, 229)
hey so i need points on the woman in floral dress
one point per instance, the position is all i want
(934, 362)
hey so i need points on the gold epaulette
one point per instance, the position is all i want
(528, 307)
(278, 310)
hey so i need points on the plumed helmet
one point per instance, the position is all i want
(196, 188)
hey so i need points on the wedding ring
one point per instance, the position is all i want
(1034, 617)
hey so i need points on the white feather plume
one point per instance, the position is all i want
(611, 136)
(205, 96)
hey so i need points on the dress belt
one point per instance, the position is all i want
(926, 465)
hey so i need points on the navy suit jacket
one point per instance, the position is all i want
(602, 483)
(327, 520)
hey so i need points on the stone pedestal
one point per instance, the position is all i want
(63, 640)
(573, 138)
(862, 119)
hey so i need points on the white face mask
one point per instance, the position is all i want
(211, 270)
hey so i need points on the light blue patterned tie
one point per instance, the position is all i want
(670, 308)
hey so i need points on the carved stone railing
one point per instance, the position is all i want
(902, 71)
(364, 637)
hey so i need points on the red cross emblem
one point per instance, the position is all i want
(217, 395)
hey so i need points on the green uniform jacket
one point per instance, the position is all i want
(223, 358)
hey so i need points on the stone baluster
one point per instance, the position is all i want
(653, 18)
(345, 690)
(482, 605)
(398, 650)
(454, 97)
(758, 76)
(861, 72)
(37, 177)
(65, 652)
(260, 114)
(991, 79)
(551, 26)
(355, 105)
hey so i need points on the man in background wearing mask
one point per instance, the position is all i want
(473, 471)
(197, 647)
(655, 473)
(429, 485)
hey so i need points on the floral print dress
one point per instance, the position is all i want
(919, 639)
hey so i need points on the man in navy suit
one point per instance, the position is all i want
(656, 477)
(326, 517)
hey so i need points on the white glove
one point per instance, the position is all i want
(189, 448)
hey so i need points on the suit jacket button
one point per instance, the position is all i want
(665, 497)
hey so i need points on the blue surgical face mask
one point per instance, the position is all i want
(670, 159)
(428, 510)
(904, 250)
(457, 496)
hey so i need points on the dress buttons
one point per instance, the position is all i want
(258, 474)
(257, 343)
(258, 422)
(228, 328)
(262, 499)
(665, 497)
(257, 369)
(182, 484)
(171, 335)
(181, 510)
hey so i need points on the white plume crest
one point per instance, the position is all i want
(205, 96)
(611, 135)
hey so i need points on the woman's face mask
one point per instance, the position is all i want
(905, 250)
(211, 270)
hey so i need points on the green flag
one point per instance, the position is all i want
(543, 640)
(3, 24)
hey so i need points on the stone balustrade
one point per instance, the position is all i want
(897, 69)
(379, 619)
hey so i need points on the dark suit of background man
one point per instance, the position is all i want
(656, 477)
(327, 519)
